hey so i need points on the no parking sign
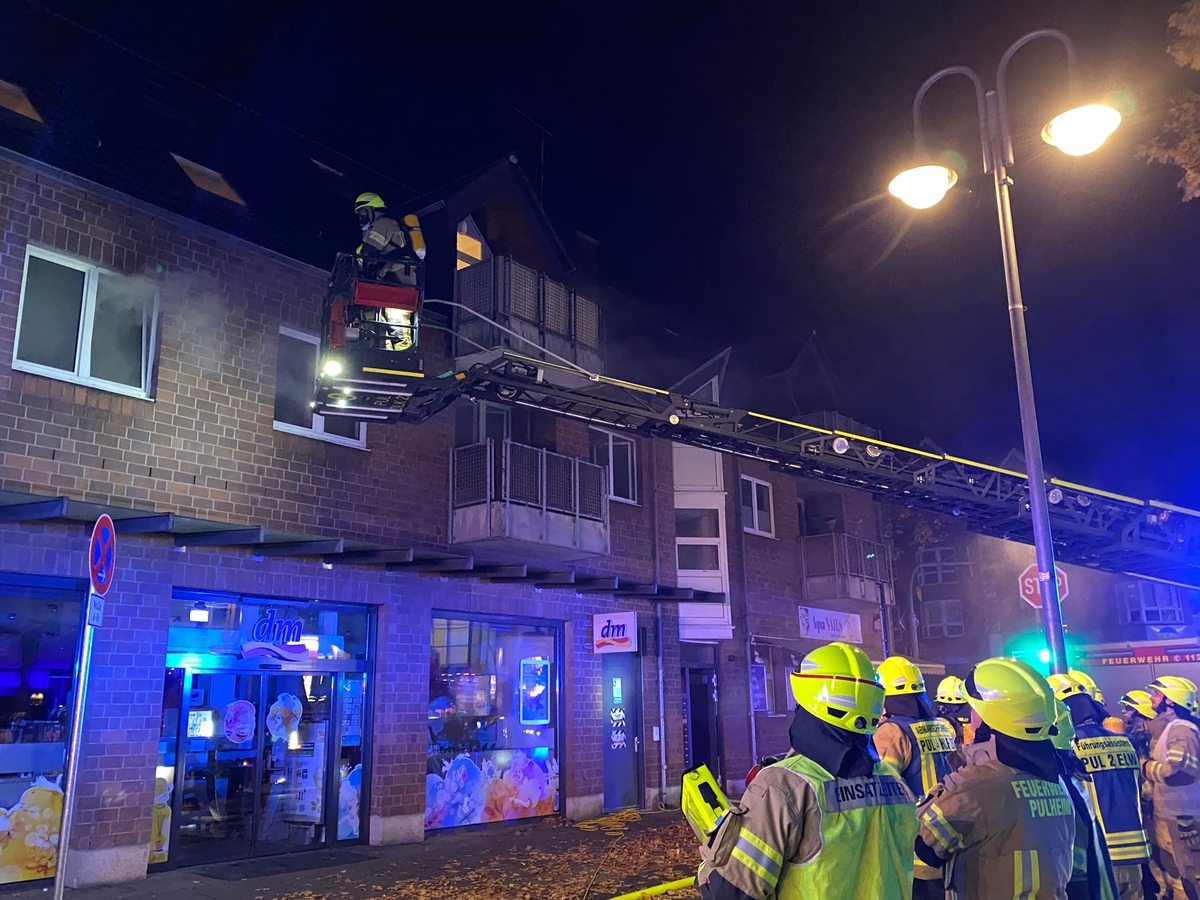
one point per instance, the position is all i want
(102, 566)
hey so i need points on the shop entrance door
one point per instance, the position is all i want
(252, 768)
(621, 730)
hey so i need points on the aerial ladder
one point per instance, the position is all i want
(373, 369)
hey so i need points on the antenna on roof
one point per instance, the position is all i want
(542, 164)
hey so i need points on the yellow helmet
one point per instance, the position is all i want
(1139, 702)
(1066, 686)
(1180, 691)
(900, 676)
(950, 690)
(1085, 681)
(1065, 734)
(369, 199)
(837, 684)
(1011, 698)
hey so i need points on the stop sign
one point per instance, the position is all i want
(1028, 585)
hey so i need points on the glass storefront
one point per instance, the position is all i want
(493, 721)
(262, 749)
(40, 621)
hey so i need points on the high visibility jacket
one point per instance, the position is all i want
(1174, 767)
(800, 833)
(1003, 833)
(1112, 763)
(922, 752)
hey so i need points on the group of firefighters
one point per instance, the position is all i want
(1009, 785)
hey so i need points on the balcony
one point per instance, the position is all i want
(843, 567)
(544, 312)
(528, 503)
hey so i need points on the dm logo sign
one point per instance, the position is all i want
(273, 636)
(614, 632)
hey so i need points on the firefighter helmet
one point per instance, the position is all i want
(1180, 691)
(1085, 681)
(1011, 698)
(900, 676)
(1066, 686)
(950, 690)
(369, 200)
(1064, 733)
(838, 685)
(1139, 702)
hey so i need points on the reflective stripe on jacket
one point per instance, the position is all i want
(1004, 833)
(800, 833)
(1174, 767)
(1112, 763)
(925, 761)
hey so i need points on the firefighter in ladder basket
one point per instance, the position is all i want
(390, 252)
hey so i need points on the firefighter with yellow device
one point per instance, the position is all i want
(917, 744)
(1111, 764)
(390, 252)
(829, 821)
(1173, 772)
(1005, 827)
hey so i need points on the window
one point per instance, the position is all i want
(295, 381)
(81, 323)
(209, 180)
(938, 565)
(762, 685)
(1148, 603)
(942, 619)
(757, 514)
(492, 721)
(616, 454)
(698, 540)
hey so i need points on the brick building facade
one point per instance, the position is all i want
(213, 500)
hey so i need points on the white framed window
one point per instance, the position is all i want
(295, 381)
(938, 565)
(758, 515)
(942, 619)
(698, 540)
(618, 454)
(1150, 603)
(80, 323)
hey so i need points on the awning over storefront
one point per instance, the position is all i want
(263, 541)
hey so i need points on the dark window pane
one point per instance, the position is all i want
(341, 426)
(50, 315)
(598, 443)
(698, 557)
(622, 470)
(747, 503)
(295, 379)
(697, 523)
(120, 328)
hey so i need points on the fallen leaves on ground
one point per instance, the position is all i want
(599, 866)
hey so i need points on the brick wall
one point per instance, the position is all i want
(205, 447)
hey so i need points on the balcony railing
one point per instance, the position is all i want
(528, 501)
(841, 565)
(543, 311)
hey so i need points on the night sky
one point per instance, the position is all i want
(731, 158)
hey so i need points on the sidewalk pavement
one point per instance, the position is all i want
(546, 859)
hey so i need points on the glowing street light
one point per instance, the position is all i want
(1082, 130)
(923, 186)
(1076, 132)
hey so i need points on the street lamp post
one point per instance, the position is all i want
(1076, 132)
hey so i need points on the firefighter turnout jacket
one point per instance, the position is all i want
(919, 749)
(1112, 765)
(1173, 769)
(800, 833)
(1003, 833)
